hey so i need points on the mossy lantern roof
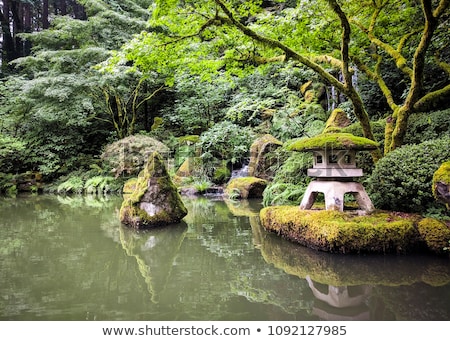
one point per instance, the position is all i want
(327, 141)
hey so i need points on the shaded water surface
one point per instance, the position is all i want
(69, 258)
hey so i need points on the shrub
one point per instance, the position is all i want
(202, 185)
(11, 154)
(226, 141)
(298, 119)
(290, 181)
(73, 184)
(7, 184)
(128, 155)
(101, 184)
(427, 126)
(402, 180)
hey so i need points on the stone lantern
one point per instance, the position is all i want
(334, 168)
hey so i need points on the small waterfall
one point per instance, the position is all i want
(240, 172)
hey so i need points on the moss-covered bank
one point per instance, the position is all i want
(348, 232)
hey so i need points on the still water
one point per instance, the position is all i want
(69, 258)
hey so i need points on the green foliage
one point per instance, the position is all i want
(227, 142)
(11, 153)
(297, 121)
(74, 184)
(402, 180)
(201, 185)
(7, 185)
(435, 234)
(221, 174)
(428, 126)
(101, 185)
(52, 100)
(290, 181)
(196, 104)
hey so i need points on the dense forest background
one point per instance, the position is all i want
(205, 78)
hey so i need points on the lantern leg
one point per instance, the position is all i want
(308, 198)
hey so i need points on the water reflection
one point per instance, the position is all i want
(365, 287)
(69, 258)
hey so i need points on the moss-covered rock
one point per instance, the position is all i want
(344, 232)
(332, 141)
(190, 167)
(155, 201)
(441, 184)
(260, 161)
(129, 186)
(435, 233)
(337, 120)
(246, 187)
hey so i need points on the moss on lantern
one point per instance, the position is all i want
(332, 141)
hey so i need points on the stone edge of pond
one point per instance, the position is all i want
(350, 232)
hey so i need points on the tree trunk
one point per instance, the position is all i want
(45, 22)
(8, 48)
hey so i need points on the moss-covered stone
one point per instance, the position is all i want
(441, 184)
(189, 167)
(260, 162)
(155, 200)
(329, 269)
(332, 141)
(344, 232)
(246, 187)
(129, 186)
(435, 233)
(337, 120)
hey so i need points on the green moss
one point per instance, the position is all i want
(337, 120)
(343, 232)
(435, 233)
(442, 174)
(189, 139)
(247, 187)
(332, 141)
(327, 268)
(131, 212)
(130, 185)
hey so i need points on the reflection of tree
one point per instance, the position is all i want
(63, 266)
(70, 260)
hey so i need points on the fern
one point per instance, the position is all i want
(100, 184)
(74, 184)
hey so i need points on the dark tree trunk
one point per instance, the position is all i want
(28, 28)
(8, 48)
(45, 22)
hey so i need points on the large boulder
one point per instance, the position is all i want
(155, 200)
(246, 187)
(260, 160)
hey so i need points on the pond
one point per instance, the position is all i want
(68, 258)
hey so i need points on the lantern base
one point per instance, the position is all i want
(334, 195)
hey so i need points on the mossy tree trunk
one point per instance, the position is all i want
(416, 100)
(346, 87)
